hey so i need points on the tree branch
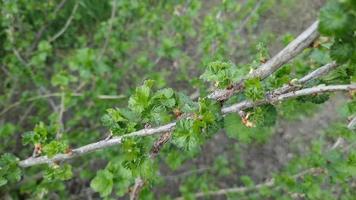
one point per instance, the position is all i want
(69, 20)
(103, 97)
(269, 183)
(303, 92)
(168, 127)
(156, 148)
(311, 76)
(289, 52)
(352, 124)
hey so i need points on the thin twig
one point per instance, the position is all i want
(248, 18)
(308, 91)
(321, 71)
(102, 97)
(156, 148)
(289, 52)
(352, 123)
(108, 34)
(60, 117)
(269, 183)
(43, 28)
(69, 20)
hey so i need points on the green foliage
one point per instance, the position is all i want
(6, 130)
(58, 172)
(103, 182)
(317, 98)
(9, 169)
(261, 118)
(95, 54)
(264, 116)
(192, 132)
(222, 74)
(38, 136)
(254, 89)
(134, 153)
(337, 20)
(55, 147)
(115, 177)
(120, 121)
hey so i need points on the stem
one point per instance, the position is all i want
(168, 127)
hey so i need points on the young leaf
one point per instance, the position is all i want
(103, 183)
(9, 169)
(55, 147)
(254, 89)
(57, 172)
(223, 74)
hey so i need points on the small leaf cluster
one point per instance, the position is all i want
(191, 132)
(114, 177)
(9, 170)
(337, 19)
(222, 74)
(262, 118)
(254, 90)
(146, 107)
(314, 98)
(58, 172)
(42, 137)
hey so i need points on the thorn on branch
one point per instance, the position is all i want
(157, 146)
(109, 136)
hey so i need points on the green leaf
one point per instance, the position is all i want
(9, 169)
(38, 136)
(254, 89)
(58, 172)
(60, 79)
(3, 181)
(223, 74)
(341, 51)
(140, 100)
(333, 19)
(183, 136)
(55, 147)
(134, 151)
(120, 121)
(316, 99)
(264, 116)
(103, 183)
(6, 130)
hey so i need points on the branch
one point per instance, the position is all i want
(308, 91)
(269, 183)
(168, 127)
(107, 38)
(248, 18)
(289, 52)
(69, 20)
(103, 97)
(352, 124)
(156, 148)
(43, 28)
(311, 76)
(95, 146)
(61, 111)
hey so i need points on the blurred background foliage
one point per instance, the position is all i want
(65, 62)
